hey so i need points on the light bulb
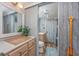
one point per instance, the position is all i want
(20, 5)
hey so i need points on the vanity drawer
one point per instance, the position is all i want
(25, 54)
(19, 51)
(31, 43)
(16, 52)
(32, 51)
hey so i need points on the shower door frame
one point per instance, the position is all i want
(57, 26)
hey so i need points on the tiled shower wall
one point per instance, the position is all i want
(66, 9)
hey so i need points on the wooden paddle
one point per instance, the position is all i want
(70, 49)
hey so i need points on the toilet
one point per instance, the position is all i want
(41, 48)
(42, 42)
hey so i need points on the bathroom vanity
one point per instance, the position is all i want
(12, 44)
(18, 46)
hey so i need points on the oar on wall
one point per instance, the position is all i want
(70, 48)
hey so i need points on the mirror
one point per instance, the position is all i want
(11, 19)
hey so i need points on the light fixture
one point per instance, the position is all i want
(17, 4)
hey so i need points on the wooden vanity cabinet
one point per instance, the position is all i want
(31, 51)
(27, 49)
(31, 48)
(18, 51)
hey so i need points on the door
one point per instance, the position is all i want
(48, 14)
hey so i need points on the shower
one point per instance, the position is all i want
(48, 18)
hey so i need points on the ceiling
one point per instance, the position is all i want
(8, 7)
(4, 8)
(29, 4)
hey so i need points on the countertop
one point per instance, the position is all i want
(8, 46)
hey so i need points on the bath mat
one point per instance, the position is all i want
(51, 52)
